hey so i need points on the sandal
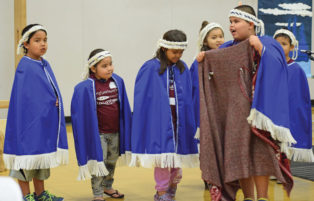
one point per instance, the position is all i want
(116, 192)
(172, 191)
(164, 197)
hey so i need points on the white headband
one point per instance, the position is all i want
(172, 45)
(94, 60)
(25, 37)
(204, 32)
(294, 41)
(97, 57)
(259, 24)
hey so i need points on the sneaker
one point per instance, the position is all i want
(29, 197)
(248, 199)
(172, 191)
(46, 196)
(164, 197)
(278, 182)
(273, 178)
(262, 199)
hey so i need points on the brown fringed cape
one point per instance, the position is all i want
(229, 149)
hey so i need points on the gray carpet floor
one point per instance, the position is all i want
(303, 170)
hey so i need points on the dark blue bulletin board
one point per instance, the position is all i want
(295, 15)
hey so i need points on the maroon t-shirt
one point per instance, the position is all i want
(107, 99)
(290, 61)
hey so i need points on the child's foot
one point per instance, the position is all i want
(272, 178)
(29, 197)
(46, 196)
(98, 199)
(215, 193)
(172, 191)
(164, 197)
(206, 185)
(113, 193)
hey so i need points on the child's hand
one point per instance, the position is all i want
(256, 44)
(200, 56)
(57, 103)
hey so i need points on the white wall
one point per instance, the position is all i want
(6, 51)
(128, 28)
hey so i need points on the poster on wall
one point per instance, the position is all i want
(294, 15)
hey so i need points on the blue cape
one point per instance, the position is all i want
(270, 107)
(195, 92)
(300, 114)
(35, 132)
(88, 148)
(153, 141)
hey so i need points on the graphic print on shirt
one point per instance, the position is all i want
(108, 96)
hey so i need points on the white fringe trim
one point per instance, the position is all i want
(92, 167)
(40, 161)
(197, 134)
(165, 160)
(260, 121)
(285, 148)
(301, 155)
(124, 159)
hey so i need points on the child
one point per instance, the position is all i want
(299, 100)
(268, 117)
(211, 37)
(101, 120)
(163, 127)
(35, 133)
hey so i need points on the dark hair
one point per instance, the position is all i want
(247, 9)
(28, 27)
(175, 36)
(93, 53)
(204, 24)
(284, 36)
(206, 47)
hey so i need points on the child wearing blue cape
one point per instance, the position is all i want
(299, 100)
(35, 138)
(268, 118)
(163, 124)
(211, 36)
(101, 120)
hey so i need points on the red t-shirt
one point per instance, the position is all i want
(107, 99)
(290, 61)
